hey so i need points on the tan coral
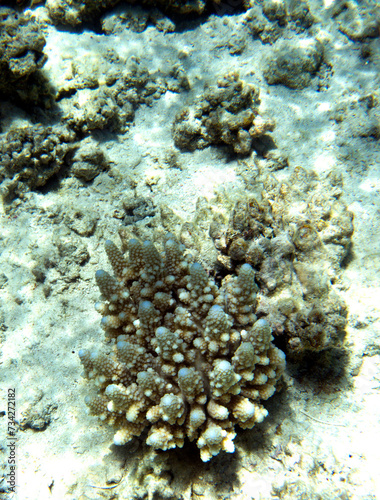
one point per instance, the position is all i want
(296, 236)
(224, 114)
(179, 361)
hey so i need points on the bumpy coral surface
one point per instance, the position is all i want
(225, 114)
(185, 358)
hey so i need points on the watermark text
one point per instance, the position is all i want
(11, 441)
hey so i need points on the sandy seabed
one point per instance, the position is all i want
(320, 438)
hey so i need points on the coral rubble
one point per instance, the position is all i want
(293, 62)
(186, 358)
(91, 102)
(21, 53)
(75, 12)
(296, 236)
(269, 20)
(224, 114)
(30, 156)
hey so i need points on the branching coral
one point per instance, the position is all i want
(186, 358)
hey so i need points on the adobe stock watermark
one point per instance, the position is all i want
(11, 441)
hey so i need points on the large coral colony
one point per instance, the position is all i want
(185, 357)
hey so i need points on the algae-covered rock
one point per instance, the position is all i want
(30, 156)
(299, 14)
(293, 62)
(275, 10)
(260, 26)
(88, 160)
(269, 20)
(21, 52)
(296, 236)
(357, 116)
(226, 113)
(89, 103)
(358, 22)
(75, 12)
(98, 112)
